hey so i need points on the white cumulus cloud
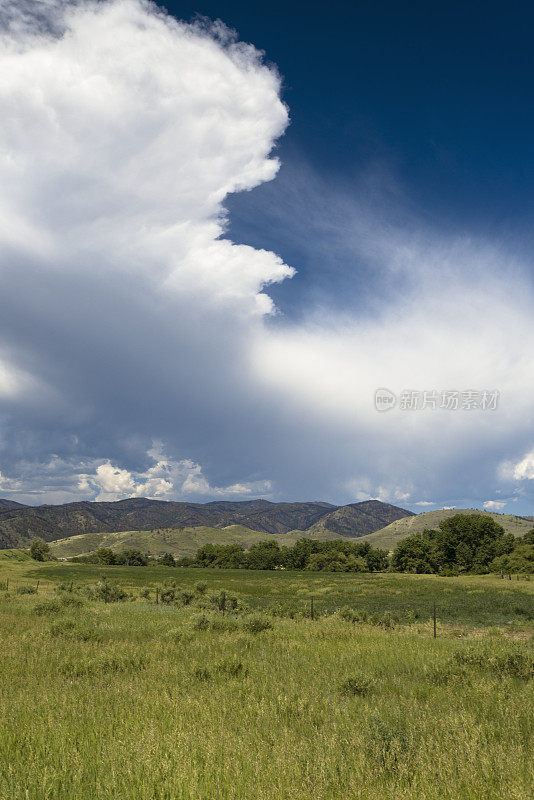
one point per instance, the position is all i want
(494, 505)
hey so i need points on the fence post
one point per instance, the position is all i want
(311, 609)
(434, 615)
(157, 596)
(37, 587)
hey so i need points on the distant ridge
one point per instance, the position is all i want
(19, 524)
(360, 519)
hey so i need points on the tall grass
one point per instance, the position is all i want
(137, 701)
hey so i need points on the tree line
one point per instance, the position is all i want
(463, 543)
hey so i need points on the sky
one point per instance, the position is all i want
(275, 251)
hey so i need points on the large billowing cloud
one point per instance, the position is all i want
(128, 319)
(124, 310)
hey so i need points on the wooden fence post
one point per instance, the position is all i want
(157, 596)
(434, 615)
(311, 609)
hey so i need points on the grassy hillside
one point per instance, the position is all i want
(359, 519)
(388, 537)
(150, 702)
(179, 542)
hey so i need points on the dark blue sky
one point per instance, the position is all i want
(433, 101)
(442, 93)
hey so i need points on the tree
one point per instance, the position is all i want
(415, 554)
(39, 550)
(106, 556)
(134, 558)
(264, 555)
(167, 560)
(467, 542)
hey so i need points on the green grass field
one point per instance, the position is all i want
(138, 701)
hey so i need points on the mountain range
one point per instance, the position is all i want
(19, 523)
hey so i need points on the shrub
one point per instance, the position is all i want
(285, 610)
(348, 614)
(145, 593)
(71, 601)
(233, 669)
(449, 572)
(71, 629)
(167, 596)
(200, 587)
(26, 590)
(65, 626)
(109, 593)
(356, 686)
(200, 623)
(257, 624)
(514, 664)
(187, 597)
(223, 625)
(101, 666)
(48, 607)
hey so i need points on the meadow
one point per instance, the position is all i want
(182, 701)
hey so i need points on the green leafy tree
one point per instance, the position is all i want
(468, 542)
(134, 558)
(39, 550)
(106, 556)
(415, 553)
(167, 560)
(264, 555)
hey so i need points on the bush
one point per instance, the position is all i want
(203, 675)
(356, 686)
(187, 597)
(257, 624)
(349, 615)
(88, 667)
(167, 596)
(26, 590)
(71, 629)
(515, 664)
(71, 601)
(48, 607)
(200, 623)
(107, 592)
(223, 625)
(233, 669)
(200, 587)
(145, 593)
